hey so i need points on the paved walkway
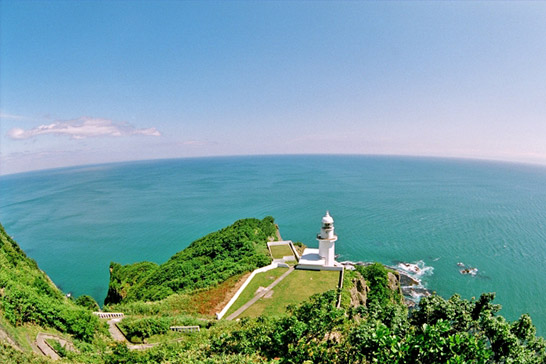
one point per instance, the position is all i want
(47, 350)
(40, 342)
(259, 295)
(4, 336)
(117, 335)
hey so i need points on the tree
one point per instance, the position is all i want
(87, 302)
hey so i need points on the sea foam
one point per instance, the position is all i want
(416, 271)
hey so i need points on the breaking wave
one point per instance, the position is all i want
(412, 275)
(417, 270)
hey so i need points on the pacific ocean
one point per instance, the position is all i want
(438, 212)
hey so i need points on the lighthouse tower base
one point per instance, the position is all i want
(311, 260)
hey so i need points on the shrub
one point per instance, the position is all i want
(137, 330)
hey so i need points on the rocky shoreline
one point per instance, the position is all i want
(412, 287)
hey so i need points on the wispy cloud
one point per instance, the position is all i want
(82, 128)
(198, 143)
(6, 116)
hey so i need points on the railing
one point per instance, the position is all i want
(108, 315)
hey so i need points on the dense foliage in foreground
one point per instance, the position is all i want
(210, 260)
(382, 331)
(441, 331)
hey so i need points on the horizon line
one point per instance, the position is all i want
(475, 159)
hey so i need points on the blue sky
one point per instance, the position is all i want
(101, 81)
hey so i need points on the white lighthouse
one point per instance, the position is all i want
(322, 258)
(327, 240)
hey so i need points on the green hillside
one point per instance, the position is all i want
(208, 261)
(27, 296)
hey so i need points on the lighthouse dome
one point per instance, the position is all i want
(327, 219)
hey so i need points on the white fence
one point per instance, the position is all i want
(108, 315)
(286, 242)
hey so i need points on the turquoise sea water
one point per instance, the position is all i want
(492, 216)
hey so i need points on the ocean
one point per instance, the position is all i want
(437, 213)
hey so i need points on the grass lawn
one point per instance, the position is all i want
(263, 279)
(280, 251)
(295, 288)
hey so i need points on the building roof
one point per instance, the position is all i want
(327, 219)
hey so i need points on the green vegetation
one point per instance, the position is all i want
(138, 329)
(28, 296)
(178, 303)
(296, 287)
(348, 278)
(263, 279)
(281, 251)
(185, 352)
(208, 261)
(87, 302)
(442, 331)
(59, 349)
(9, 355)
(376, 275)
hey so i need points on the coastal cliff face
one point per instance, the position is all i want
(395, 285)
(374, 283)
(359, 291)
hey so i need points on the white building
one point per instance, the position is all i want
(322, 258)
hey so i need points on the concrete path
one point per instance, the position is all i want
(4, 336)
(141, 346)
(117, 335)
(47, 350)
(44, 348)
(259, 295)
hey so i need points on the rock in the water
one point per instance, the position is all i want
(406, 280)
(409, 303)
